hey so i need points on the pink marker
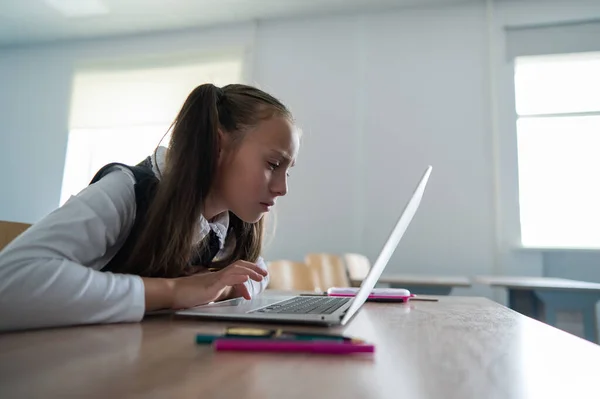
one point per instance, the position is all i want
(263, 345)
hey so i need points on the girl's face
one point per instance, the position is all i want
(252, 174)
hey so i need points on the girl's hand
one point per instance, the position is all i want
(199, 289)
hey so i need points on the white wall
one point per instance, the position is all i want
(383, 96)
(379, 97)
(427, 102)
(310, 65)
(34, 100)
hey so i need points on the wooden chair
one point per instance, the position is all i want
(9, 231)
(329, 269)
(358, 267)
(286, 275)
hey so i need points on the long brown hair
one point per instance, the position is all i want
(166, 244)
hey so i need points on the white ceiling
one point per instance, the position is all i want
(25, 22)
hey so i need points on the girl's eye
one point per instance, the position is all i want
(272, 165)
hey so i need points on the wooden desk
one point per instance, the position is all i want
(542, 297)
(423, 284)
(455, 348)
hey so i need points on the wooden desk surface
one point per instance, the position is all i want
(422, 279)
(526, 282)
(455, 348)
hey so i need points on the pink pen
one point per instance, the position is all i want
(260, 345)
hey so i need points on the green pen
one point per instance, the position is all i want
(242, 333)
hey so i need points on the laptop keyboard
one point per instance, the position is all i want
(305, 305)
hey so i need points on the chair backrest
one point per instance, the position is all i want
(287, 275)
(358, 266)
(9, 231)
(330, 270)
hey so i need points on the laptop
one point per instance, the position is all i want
(313, 310)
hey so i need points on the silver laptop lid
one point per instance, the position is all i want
(390, 246)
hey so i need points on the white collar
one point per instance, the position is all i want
(219, 224)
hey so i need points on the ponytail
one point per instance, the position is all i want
(165, 245)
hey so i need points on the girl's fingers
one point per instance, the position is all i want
(241, 270)
(243, 291)
(252, 266)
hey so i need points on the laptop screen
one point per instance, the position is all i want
(390, 246)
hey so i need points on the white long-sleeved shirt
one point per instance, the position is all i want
(50, 275)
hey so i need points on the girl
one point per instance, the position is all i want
(142, 238)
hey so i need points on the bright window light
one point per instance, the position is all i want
(558, 135)
(121, 114)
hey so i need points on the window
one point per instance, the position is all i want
(120, 114)
(558, 138)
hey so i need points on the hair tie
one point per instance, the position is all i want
(220, 95)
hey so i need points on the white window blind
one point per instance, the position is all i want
(149, 96)
(120, 114)
(558, 128)
(565, 38)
